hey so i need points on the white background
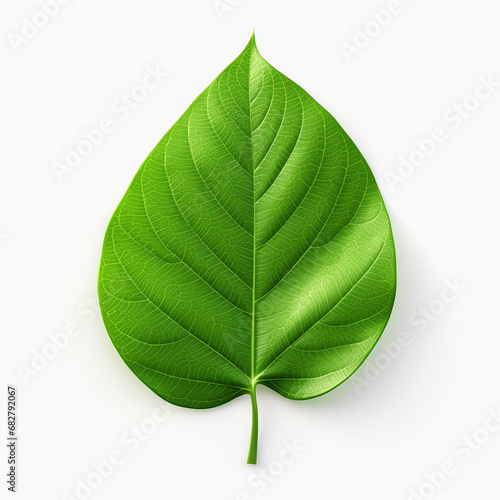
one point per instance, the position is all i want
(371, 439)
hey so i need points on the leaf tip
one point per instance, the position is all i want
(252, 45)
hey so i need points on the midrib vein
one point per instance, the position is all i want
(252, 355)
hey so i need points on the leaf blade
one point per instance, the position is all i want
(253, 246)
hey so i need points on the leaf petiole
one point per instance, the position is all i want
(254, 437)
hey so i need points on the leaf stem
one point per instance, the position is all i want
(252, 452)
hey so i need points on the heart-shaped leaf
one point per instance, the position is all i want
(252, 247)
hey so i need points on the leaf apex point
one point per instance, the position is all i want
(252, 43)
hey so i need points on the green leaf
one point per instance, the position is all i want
(252, 247)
